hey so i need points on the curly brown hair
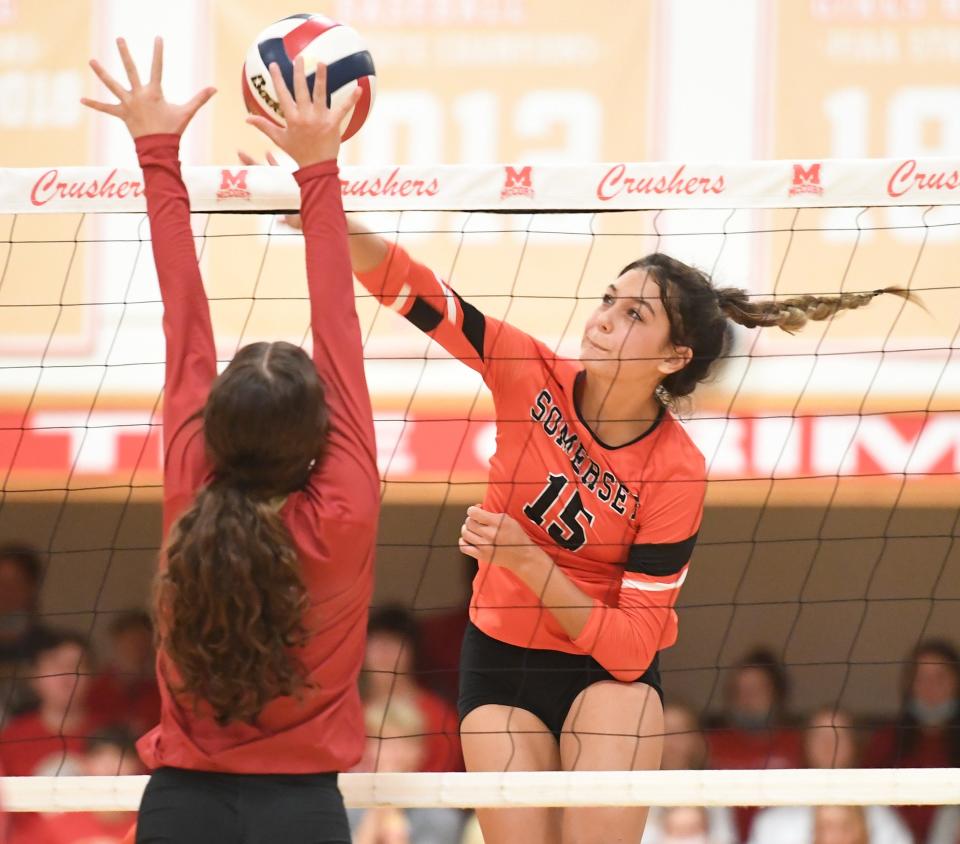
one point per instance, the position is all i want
(231, 599)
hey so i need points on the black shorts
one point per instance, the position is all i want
(201, 807)
(545, 683)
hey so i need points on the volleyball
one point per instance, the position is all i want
(319, 40)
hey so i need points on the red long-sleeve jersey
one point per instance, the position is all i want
(333, 520)
(621, 522)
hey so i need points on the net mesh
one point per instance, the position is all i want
(829, 537)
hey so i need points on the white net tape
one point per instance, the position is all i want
(926, 786)
(509, 187)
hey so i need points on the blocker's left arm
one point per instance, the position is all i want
(191, 361)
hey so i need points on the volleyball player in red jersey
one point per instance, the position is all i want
(271, 500)
(589, 520)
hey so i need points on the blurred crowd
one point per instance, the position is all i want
(66, 711)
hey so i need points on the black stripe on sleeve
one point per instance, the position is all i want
(474, 325)
(423, 316)
(661, 559)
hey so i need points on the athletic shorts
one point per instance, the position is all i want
(201, 807)
(545, 683)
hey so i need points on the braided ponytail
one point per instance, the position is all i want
(792, 314)
(700, 315)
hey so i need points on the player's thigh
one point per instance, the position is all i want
(611, 727)
(507, 738)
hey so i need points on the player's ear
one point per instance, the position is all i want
(678, 358)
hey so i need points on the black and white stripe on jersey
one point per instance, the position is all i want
(426, 317)
(661, 559)
(423, 316)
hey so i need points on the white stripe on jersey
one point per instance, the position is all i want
(451, 301)
(648, 586)
(403, 297)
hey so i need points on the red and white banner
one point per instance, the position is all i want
(53, 449)
(510, 187)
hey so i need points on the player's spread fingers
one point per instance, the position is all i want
(268, 127)
(320, 87)
(114, 87)
(156, 68)
(287, 105)
(272, 159)
(128, 63)
(106, 108)
(198, 100)
(300, 91)
(344, 108)
(246, 158)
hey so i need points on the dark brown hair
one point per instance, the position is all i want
(700, 314)
(25, 557)
(231, 601)
(908, 729)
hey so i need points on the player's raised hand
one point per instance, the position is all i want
(143, 107)
(312, 133)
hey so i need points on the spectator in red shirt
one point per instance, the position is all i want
(4, 821)
(49, 739)
(440, 637)
(395, 744)
(753, 732)
(685, 749)
(389, 675)
(110, 753)
(927, 733)
(271, 499)
(21, 630)
(125, 689)
(830, 741)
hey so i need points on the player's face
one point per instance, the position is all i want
(839, 825)
(61, 678)
(17, 592)
(111, 761)
(934, 683)
(629, 332)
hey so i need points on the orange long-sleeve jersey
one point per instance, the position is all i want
(621, 521)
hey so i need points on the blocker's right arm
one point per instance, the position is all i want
(348, 480)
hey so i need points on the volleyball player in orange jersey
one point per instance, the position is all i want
(593, 507)
(270, 506)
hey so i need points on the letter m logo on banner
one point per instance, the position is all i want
(517, 182)
(806, 180)
(233, 185)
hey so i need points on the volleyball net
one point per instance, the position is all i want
(830, 533)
